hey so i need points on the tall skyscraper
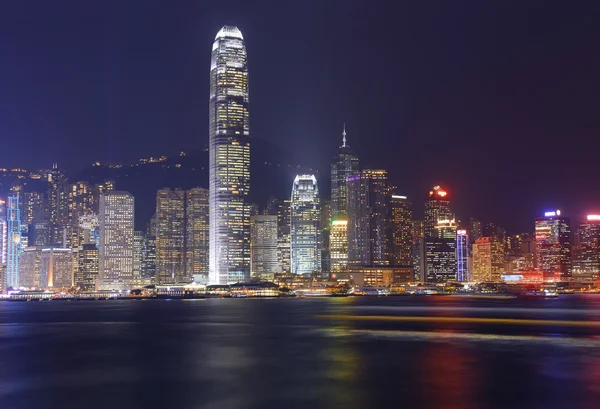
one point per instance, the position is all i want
(115, 250)
(437, 207)
(325, 231)
(138, 253)
(56, 268)
(229, 157)
(440, 260)
(400, 231)
(170, 236)
(29, 267)
(482, 260)
(263, 244)
(338, 245)
(13, 239)
(283, 236)
(588, 258)
(345, 165)
(87, 272)
(462, 255)
(368, 197)
(196, 231)
(475, 229)
(553, 243)
(305, 226)
(3, 234)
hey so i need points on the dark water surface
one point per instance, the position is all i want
(278, 353)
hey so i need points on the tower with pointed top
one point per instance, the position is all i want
(229, 159)
(345, 164)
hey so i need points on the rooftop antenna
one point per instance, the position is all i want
(344, 136)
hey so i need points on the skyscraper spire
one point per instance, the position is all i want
(344, 136)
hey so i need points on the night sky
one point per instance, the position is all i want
(496, 100)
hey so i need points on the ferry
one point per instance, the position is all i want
(540, 294)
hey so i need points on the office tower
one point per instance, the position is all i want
(81, 201)
(87, 272)
(13, 241)
(3, 233)
(170, 236)
(437, 207)
(32, 207)
(2, 278)
(29, 267)
(197, 232)
(88, 229)
(482, 260)
(229, 157)
(41, 233)
(305, 226)
(56, 268)
(440, 260)
(553, 245)
(368, 206)
(418, 249)
(446, 229)
(57, 195)
(401, 236)
(138, 253)
(263, 245)
(462, 255)
(115, 250)
(325, 231)
(588, 258)
(149, 262)
(475, 229)
(338, 245)
(283, 236)
(498, 249)
(345, 165)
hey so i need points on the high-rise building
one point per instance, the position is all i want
(418, 249)
(196, 231)
(368, 207)
(401, 237)
(305, 229)
(56, 268)
(588, 258)
(170, 236)
(440, 260)
(338, 245)
(115, 250)
(3, 234)
(263, 245)
(229, 157)
(325, 231)
(437, 207)
(87, 272)
(2, 278)
(462, 255)
(29, 267)
(57, 195)
(553, 244)
(32, 207)
(283, 236)
(345, 165)
(41, 233)
(482, 260)
(474, 229)
(138, 253)
(149, 260)
(13, 240)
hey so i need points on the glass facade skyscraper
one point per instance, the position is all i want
(345, 164)
(553, 244)
(437, 207)
(400, 231)
(305, 229)
(229, 156)
(462, 255)
(13, 239)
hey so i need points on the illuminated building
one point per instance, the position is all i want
(115, 249)
(229, 157)
(149, 260)
(553, 245)
(475, 229)
(368, 207)
(418, 249)
(482, 260)
(325, 231)
(440, 260)
(283, 236)
(87, 272)
(138, 253)
(462, 255)
(41, 233)
(498, 249)
(446, 229)
(400, 231)
(305, 229)
(13, 241)
(2, 278)
(345, 165)
(588, 257)
(29, 267)
(437, 207)
(32, 207)
(88, 229)
(3, 233)
(263, 246)
(170, 236)
(338, 245)
(56, 268)
(380, 276)
(196, 231)
(57, 195)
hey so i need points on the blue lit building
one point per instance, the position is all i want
(462, 255)
(13, 238)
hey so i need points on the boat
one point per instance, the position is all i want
(539, 294)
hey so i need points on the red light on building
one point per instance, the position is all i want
(593, 217)
(441, 193)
